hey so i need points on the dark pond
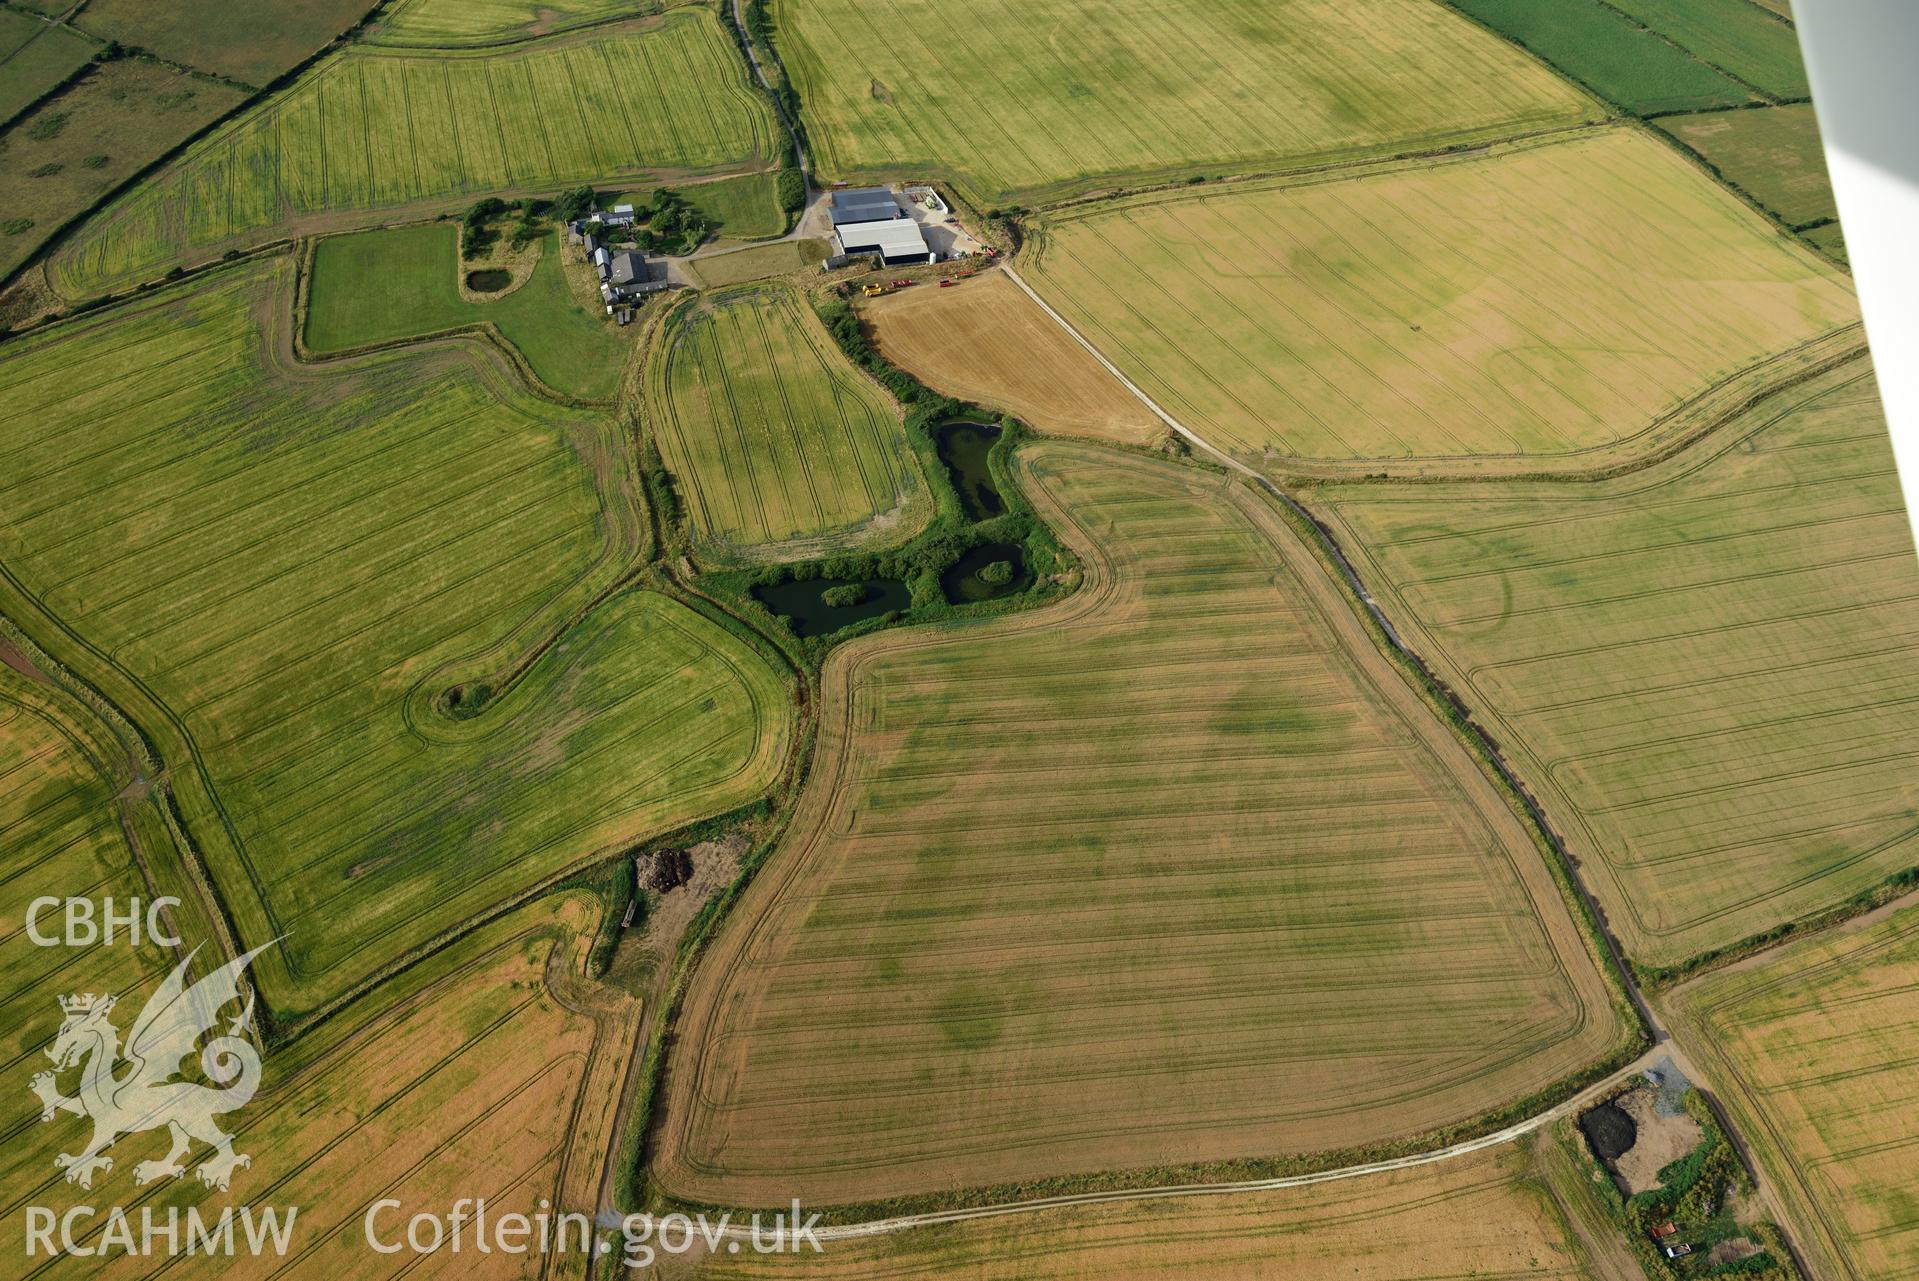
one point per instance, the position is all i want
(963, 448)
(490, 281)
(805, 604)
(1609, 1130)
(969, 578)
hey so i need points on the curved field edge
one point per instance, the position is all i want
(744, 391)
(1819, 443)
(265, 174)
(1803, 1043)
(1613, 1046)
(195, 802)
(1499, 1213)
(1319, 325)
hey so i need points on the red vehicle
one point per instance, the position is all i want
(1665, 1230)
(901, 284)
(948, 284)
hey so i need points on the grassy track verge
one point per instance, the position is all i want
(371, 130)
(1484, 1215)
(1014, 102)
(1700, 665)
(1055, 865)
(368, 615)
(1464, 309)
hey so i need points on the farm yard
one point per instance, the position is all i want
(1705, 667)
(773, 437)
(1179, 871)
(369, 615)
(1425, 310)
(253, 43)
(372, 129)
(1487, 1215)
(378, 286)
(1773, 153)
(1013, 101)
(73, 149)
(1812, 1049)
(984, 340)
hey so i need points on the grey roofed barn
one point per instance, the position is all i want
(864, 204)
(627, 268)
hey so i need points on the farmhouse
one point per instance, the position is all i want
(868, 220)
(619, 216)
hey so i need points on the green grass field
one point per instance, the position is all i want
(443, 24)
(1464, 308)
(1608, 54)
(1811, 1050)
(1707, 668)
(35, 57)
(374, 286)
(373, 130)
(739, 208)
(280, 573)
(1773, 153)
(1013, 99)
(252, 43)
(1179, 870)
(759, 262)
(772, 435)
(73, 149)
(1731, 34)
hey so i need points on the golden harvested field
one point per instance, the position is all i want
(985, 341)
(1013, 99)
(1179, 871)
(377, 130)
(1812, 1048)
(773, 436)
(1463, 308)
(1486, 1215)
(1707, 669)
(490, 1070)
(284, 575)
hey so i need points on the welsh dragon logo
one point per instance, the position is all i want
(146, 1095)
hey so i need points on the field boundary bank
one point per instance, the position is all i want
(1673, 433)
(580, 29)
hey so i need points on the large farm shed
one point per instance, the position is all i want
(868, 220)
